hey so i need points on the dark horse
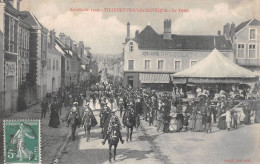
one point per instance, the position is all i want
(104, 116)
(130, 122)
(113, 139)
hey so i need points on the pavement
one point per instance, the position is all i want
(241, 145)
(51, 138)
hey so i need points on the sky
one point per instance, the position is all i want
(104, 32)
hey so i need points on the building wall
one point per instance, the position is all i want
(168, 57)
(72, 71)
(10, 62)
(23, 51)
(242, 37)
(2, 96)
(53, 70)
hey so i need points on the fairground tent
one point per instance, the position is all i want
(215, 68)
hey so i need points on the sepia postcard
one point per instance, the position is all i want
(130, 81)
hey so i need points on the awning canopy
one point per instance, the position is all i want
(216, 68)
(154, 78)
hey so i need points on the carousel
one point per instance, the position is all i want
(215, 78)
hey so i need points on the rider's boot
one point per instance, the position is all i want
(103, 142)
(120, 137)
(88, 136)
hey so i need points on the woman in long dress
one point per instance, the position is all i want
(55, 119)
(192, 121)
(198, 123)
(228, 119)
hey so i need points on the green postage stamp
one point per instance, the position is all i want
(22, 141)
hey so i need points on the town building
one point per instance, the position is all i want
(70, 63)
(53, 65)
(38, 55)
(246, 37)
(149, 57)
(9, 23)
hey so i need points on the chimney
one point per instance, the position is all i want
(219, 33)
(62, 37)
(68, 41)
(15, 3)
(232, 30)
(128, 32)
(167, 34)
(81, 49)
(136, 33)
(74, 46)
(52, 39)
(226, 30)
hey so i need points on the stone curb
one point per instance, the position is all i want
(59, 152)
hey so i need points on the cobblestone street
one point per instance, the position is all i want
(149, 146)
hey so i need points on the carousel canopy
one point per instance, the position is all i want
(215, 68)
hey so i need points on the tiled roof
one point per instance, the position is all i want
(149, 39)
(29, 18)
(252, 22)
(255, 22)
(242, 25)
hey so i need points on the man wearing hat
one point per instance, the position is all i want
(88, 120)
(113, 121)
(73, 120)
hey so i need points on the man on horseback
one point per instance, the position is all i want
(113, 121)
(73, 120)
(88, 120)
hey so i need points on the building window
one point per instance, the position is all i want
(240, 51)
(68, 65)
(57, 65)
(147, 64)
(252, 34)
(131, 47)
(177, 65)
(49, 64)
(53, 63)
(160, 64)
(130, 64)
(252, 51)
(193, 62)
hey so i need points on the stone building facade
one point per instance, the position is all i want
(150, 58)
(9, 23)
(53, 65)
(246, 37)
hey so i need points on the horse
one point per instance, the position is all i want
(137, 121)
(113, 139)
(104, 115)
(129, 122)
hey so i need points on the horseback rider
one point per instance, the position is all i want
(73, 120)
(88, 120)
(129, 109)
(74, 113)
(113, 121)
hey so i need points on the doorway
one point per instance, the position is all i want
(130, 81)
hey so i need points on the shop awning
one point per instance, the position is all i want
(154, 78)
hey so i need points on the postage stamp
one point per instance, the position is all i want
(22, 141)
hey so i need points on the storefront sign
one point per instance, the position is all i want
(10, 68)
(165, 54)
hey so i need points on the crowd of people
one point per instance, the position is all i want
(167, 112)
